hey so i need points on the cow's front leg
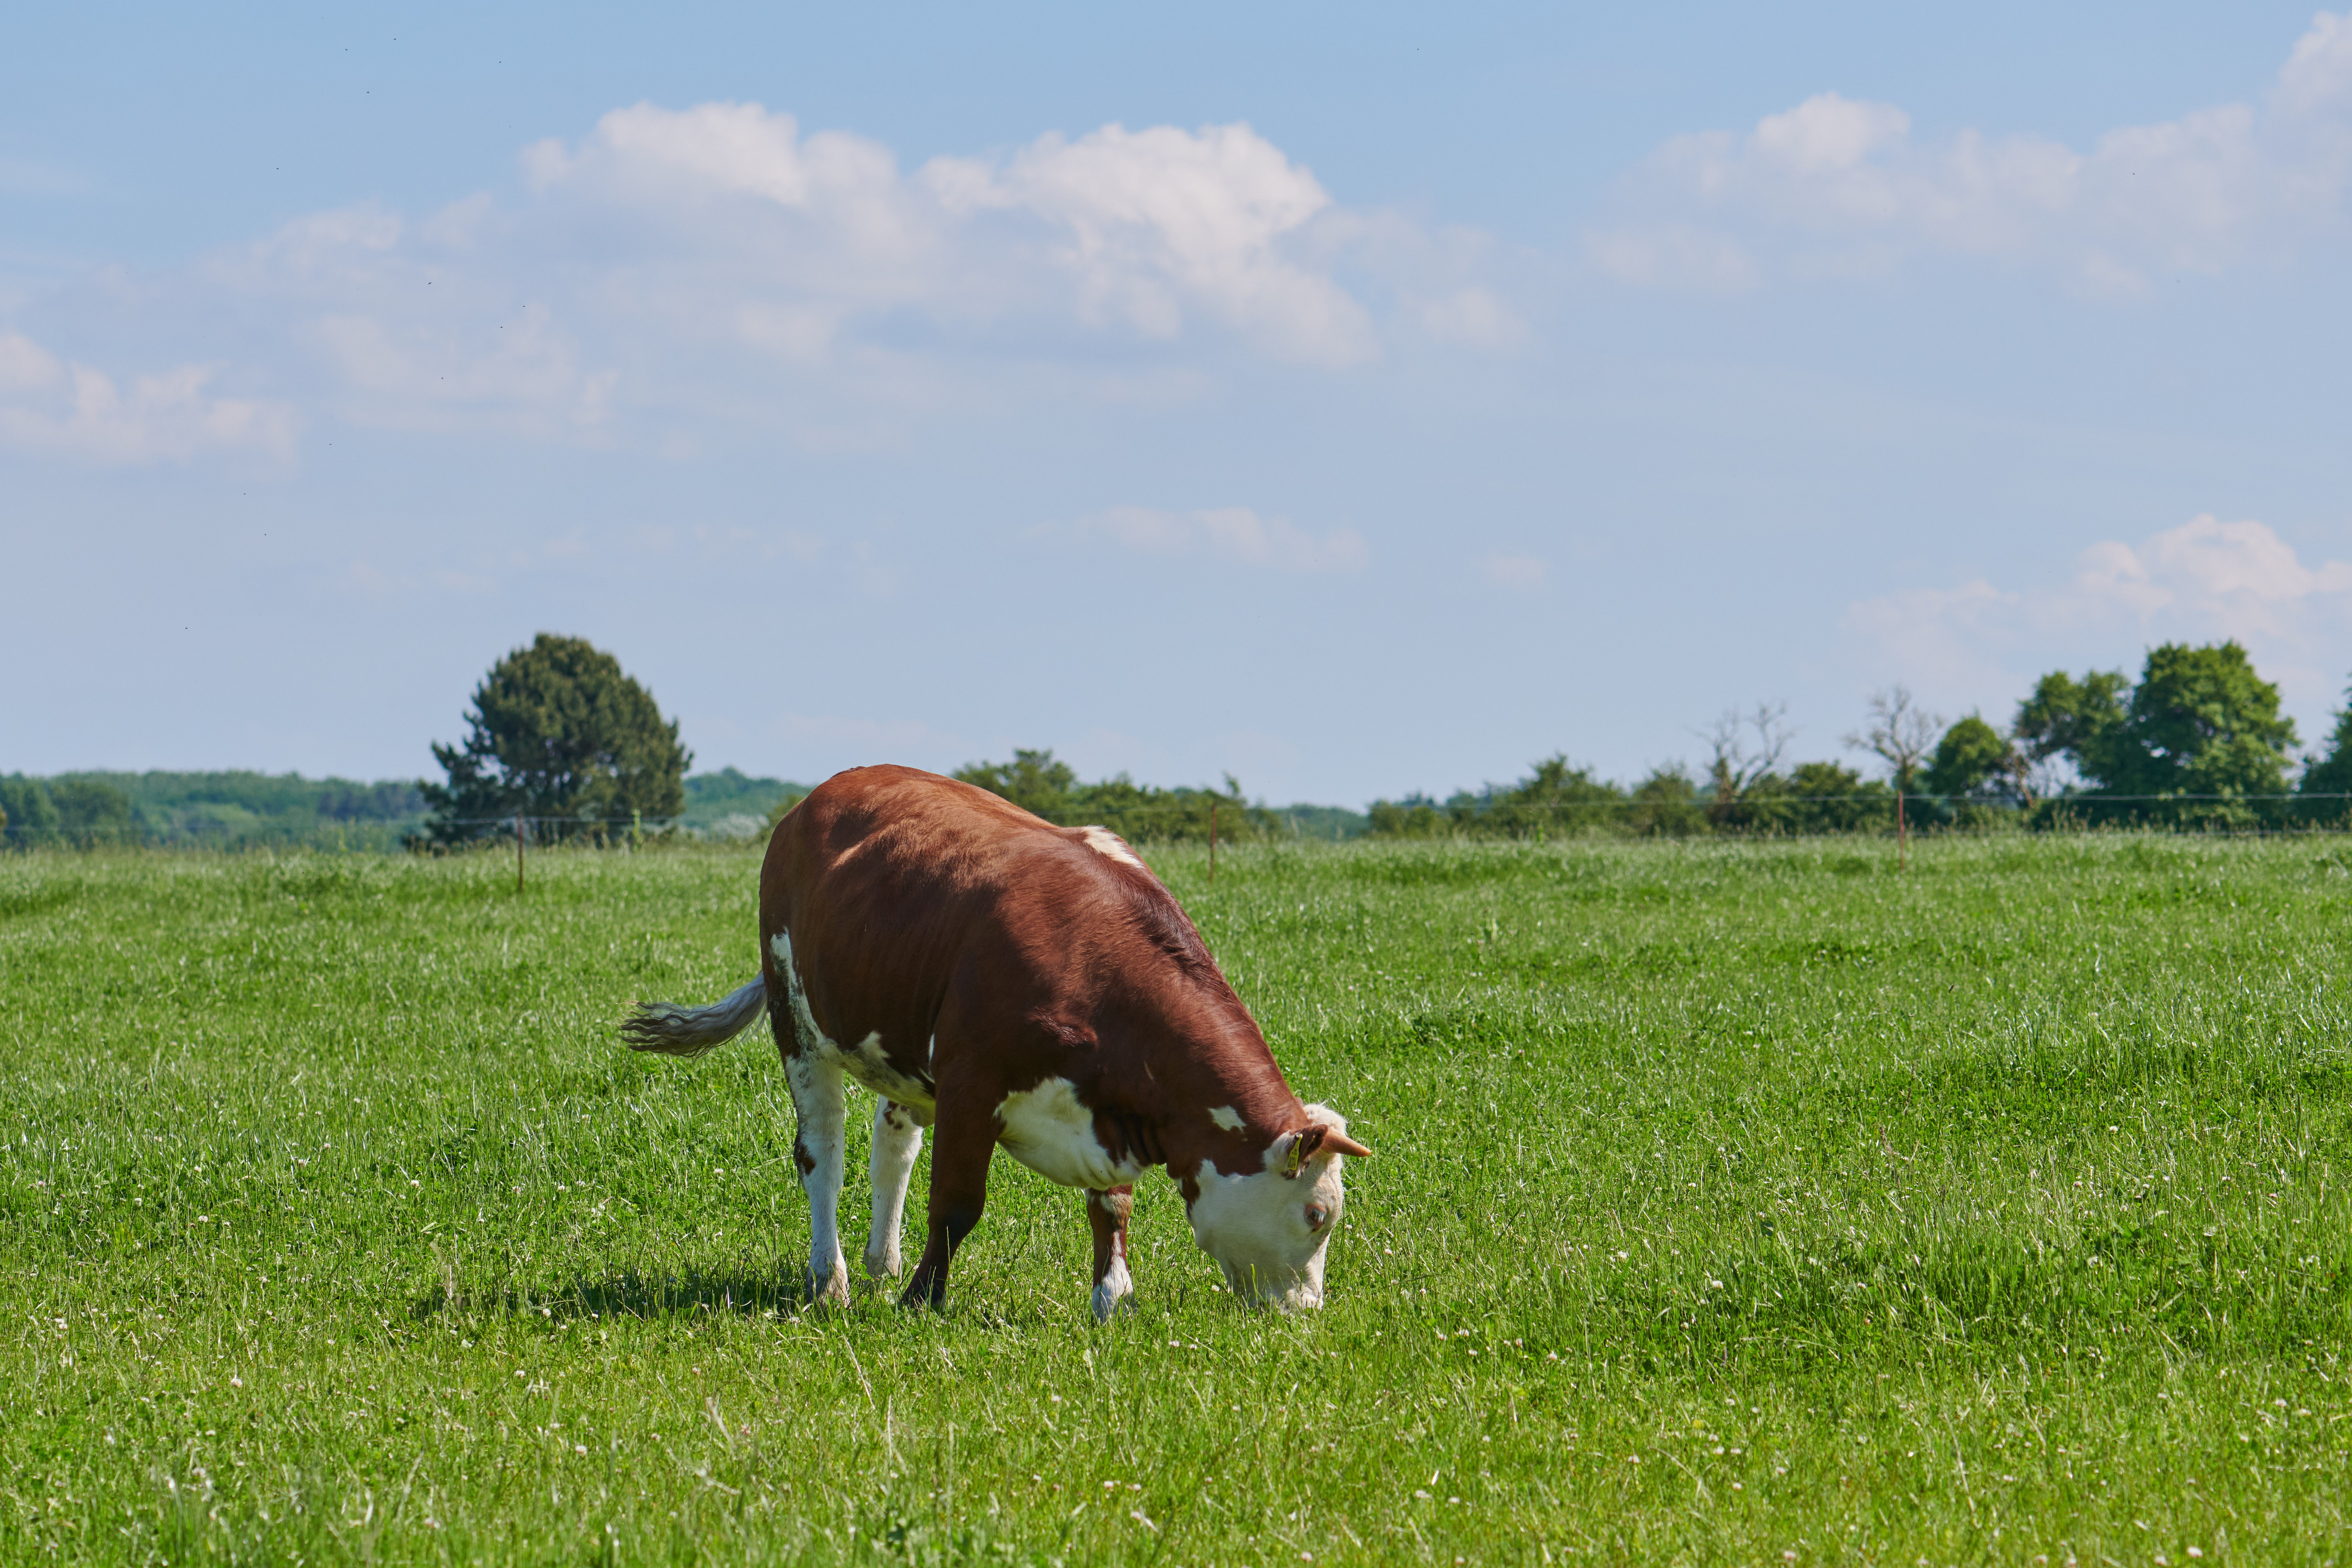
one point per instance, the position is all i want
(897, 1139)
(819, 1149)
(1106, 1212)
(959, 1153)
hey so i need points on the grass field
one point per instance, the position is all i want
(1731, 1204)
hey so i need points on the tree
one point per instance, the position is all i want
(558, 730)
(2203, 722)
(2079, 721)
(1972, 760)
(91, 811)
(31, 817)
(1556, 797)
(1414, 816)
(1900, 733)
(1034, 781)
(1666, 805)
(1743, 773)
(2330, 776)
(1829, 798)
(1037, 782)
(2197, 735)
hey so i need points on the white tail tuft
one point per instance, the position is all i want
(675, 1031)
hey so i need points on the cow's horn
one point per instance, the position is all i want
(1340, 1143)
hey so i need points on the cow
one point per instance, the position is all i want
(1004, 981)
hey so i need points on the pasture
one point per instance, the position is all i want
(1731, 1204)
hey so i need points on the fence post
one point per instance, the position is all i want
(1902, 837)
(518, 852)
(1213, 843)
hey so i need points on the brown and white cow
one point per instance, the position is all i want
(1008, 982)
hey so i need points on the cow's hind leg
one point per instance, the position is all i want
(897, 1139)
(1106, 1212)
(819, 1149)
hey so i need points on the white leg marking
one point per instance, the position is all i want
(897, 1141)
(1114, 1287)
(821, 1110)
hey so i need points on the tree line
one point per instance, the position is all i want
(2196, 742)
(559, 735)
(227, 810)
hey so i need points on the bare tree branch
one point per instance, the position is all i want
(1747, 745)
(1900, 733)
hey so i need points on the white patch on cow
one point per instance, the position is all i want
(897, 1139)
(1115, 1287)
(1254, 1224)
(868, 1062)
(1048, 1130)
(1226, 1117)
(1103, 841)
(818, 1106)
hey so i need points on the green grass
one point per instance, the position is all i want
(1730, 1202)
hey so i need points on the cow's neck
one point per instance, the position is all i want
(1222, 1098)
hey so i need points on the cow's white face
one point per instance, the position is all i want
(1267, 1229)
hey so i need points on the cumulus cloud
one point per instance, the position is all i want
(1234, 533)
(1142, 233)
(1152, 225)
(50, 405)
(2240, 578)
(1836, 185)
(2203, 581)
(719, 264)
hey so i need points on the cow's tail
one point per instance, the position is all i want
(676, 1031)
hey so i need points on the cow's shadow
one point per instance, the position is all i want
(735, 1292)
(741, 1294)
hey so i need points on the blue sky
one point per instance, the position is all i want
(1346, 399)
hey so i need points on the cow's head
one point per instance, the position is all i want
(1267, 1229)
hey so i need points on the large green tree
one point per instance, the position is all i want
(2198, 740)
(558, 731)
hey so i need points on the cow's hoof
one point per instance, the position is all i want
(883, 1265)
(1108, 1303)
(832, 1291)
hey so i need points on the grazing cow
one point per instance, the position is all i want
(1008, 981)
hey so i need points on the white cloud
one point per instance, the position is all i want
(2204, 581)
(717, 265)
(2239, 578)
(1152, 225)
(1142, 234)
(49, 404)
(1834, 185)
(1523, 573)
(1228, 533)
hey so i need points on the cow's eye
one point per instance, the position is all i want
(1317, 1216)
